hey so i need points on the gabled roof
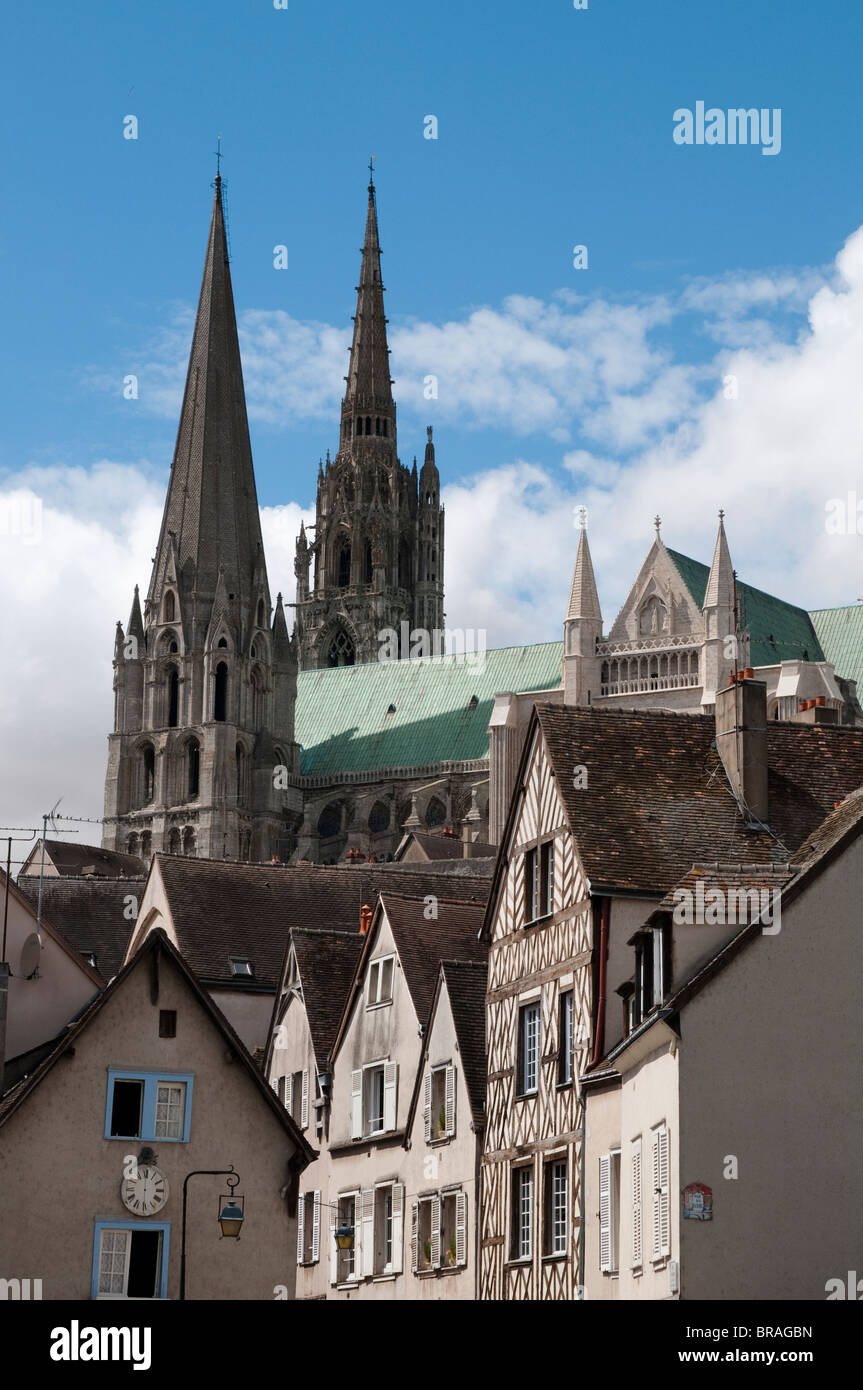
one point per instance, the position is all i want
(658, 798)
(73, 860)
(156, 945)
(437, 847)
(728, 877)
(840, 632)
(343, 723)
(327, 962)
(90, 913)
(466, 982)
(221, 909)
(51, 930)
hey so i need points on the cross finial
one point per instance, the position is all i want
(218, 153)
(721, 514)
(582, 518)
(657, 521)
(372, 172)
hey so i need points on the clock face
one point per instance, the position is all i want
(146, 1193)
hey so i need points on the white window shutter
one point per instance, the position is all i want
(605, 1213)
(435, 1231)
(274, 1082)
(301, 1223)
(304, 1110)
(461, 1228)
(656, 1246)
(427, 1105)
(636, 1204)
(356, 1104)
(414, 1242)
(391, 1071)
(316, 1227)
(450, 1101)
(334, 1249)
(398, 1226)
(285, 1088)
(664, 1194)
(367, 1207)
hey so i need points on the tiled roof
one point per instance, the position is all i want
(423, 943)
(726, 877)
(841, 819)
(222, 909)
(327, 961)
(840, 632)
(342, 719)
(74, 859)
(658, 799)
(91, 913)
(779, 631)
(437, 847)
(466, 985)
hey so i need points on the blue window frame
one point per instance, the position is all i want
(99, 1226)
(148, 1102)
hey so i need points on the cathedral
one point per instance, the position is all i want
(235, 739)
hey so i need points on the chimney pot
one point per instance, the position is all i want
(365, 919)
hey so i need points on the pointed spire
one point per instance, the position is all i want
(720, 581)
(583, 598)
(369, 370)
(136, 622)
(281, 640)
(211, 518)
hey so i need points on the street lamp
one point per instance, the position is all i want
(230, 1213)
(345, 1237)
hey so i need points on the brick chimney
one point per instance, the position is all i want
(365, 919)
(741, 739)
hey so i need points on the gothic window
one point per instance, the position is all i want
(241, 775)
(146, 841)
(404, 565)
(260, 618)
(223, 642)
(341, 651)
(132, 844)
(193, 767)
(377, 424)
(385, 429)
(149, 770)
(379, 818)
(368, 424)
(257, 711)
(435, 813)
(220, 702)
(368, 564)
(173, 697)
(344, 563)
(653, 617)
(253, 652)
(174, 842)
(330, 821)
(359, 424)
(169, 606)
(383, 488)
(347, 429)
(189, 841)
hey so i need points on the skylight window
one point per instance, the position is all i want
(241, 967)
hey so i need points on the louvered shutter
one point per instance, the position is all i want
(356, 1105)
(427, 1104)
(274, 1082)
(316, 1227)
(664, 1195)
(301, 1223)
(334, 1249)
(636, 1204)
(391, 1072)
(398, 1226)
(461, 1228)
(414, 1224)
(304, 1107)
(367, 1207)
(450, 1101)
(605, 1213)
(435, 1231)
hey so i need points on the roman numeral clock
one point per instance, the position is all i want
(146, 1193)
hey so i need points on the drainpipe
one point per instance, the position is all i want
(4, 995)
(599, 1037)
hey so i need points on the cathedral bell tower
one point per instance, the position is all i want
(378, 542)
(202, 760)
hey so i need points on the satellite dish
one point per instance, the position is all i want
(31, 954)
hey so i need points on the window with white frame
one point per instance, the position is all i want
(374, 1093)
(380, 988)
(539, 881)
(453, 1206)
(440, 1103)
(635, 1181)
(425, 1233)
(345, 1263)
(556, 1211)
(293, 1092)
(170, 1109)
(309, 1228)
(522, 1213)
(660, 1164)
(130, 1261)
(439, 1231)
(609, 1212)
(382, 1241)
(567, 1040)
(528, 1048)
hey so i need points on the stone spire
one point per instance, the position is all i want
(720, 582)
(583, 598)
(582, 629)
(368, 379)
(725, 648)
(211, 511)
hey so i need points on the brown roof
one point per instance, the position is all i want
(842, 818)
(658, 799)
(222, 909)
(466, 985)
(74, 859)
(327, 961)
(726, 877)
(437, 847)
(89, 913)
(422, 943)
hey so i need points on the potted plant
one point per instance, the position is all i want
(427, 1252)
(449, 1258)
(441, 1123)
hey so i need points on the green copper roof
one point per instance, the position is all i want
(778, 631)
(840, 632)
(342, 723)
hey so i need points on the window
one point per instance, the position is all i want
(373, 1099)
(652, 969)
(546, 883)
(341, 650)
(189, 841)
(564, 1061)
(241, 967)
(148, 1105)
(293, 1092)
(130, 1260)
(660, 1163)
(380, 981)
(556, 1225)
(440, 1103)
(169, 606)
(539, 882)
(173, 697)
(344, 1263)
(167, 1023)
(193, 757)
(220, 698)
(149, 772)
(528, 1049)
(344, 564)
(425, 1233)
(522, 1213)
(609, 1208)
(309, 1228)
(453, 1228)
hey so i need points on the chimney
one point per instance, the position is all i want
(4, 995)
(741, 739)
(465, 840)
(365, 919)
